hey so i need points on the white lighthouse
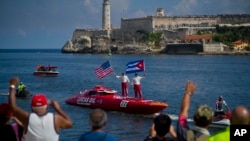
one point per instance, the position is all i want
(106, 15)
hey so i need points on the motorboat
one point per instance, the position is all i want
(23, 94)
(221, 121)
(48, 71)
(108, 99)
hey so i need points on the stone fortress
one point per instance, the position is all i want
(126, 39)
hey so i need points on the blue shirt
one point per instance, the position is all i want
(97, 136)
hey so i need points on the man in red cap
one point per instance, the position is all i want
(40, 124)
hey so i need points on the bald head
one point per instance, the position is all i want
(240, 115)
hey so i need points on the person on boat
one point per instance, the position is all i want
(97, 120)
(39, 67)
(10, 131)
(203, 117)
(124, 83)
(21, 87)
(160, 128)
(219, 106)
(240, 116)
(137, 85)
(39, 122)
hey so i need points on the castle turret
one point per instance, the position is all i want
(160, 12)
(106, 15)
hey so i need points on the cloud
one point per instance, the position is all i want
(140, 13)
(91, 5)
(21, 32)
(185, 6)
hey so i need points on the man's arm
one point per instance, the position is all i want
(62, 120)
(185, 104)
(19, 113)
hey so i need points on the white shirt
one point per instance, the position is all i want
(124, 78)
(137, 80)
(41, 128)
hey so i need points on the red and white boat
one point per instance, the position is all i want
(109, 99)
(48, 71)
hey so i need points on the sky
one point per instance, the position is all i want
(45, 24)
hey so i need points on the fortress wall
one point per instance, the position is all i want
(213, 47)
(234, 19)
(90, 33)
(128, 25)
(177, 22)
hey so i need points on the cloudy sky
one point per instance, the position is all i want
(50, 23)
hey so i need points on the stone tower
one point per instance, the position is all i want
(106, 15)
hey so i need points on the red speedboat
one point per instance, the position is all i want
(48, 71)
(109, 99)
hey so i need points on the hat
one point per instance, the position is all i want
(39, 100)
(5, 109)
(204, 111)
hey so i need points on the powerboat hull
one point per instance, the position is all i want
(46, 73)
(112, 101)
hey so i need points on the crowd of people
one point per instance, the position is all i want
(42, 125)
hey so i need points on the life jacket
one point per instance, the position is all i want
(196, 136)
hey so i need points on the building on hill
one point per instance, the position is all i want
(133, 31)
(240, 45)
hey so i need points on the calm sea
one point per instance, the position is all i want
(165, 80)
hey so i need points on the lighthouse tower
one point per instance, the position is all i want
(106, 15)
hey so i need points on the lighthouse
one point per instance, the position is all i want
(106, 15)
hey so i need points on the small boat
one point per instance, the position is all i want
(221, 121)
(23, 94)
(48, 71)
(108, 99)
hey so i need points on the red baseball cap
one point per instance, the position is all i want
(39, 100)
(5, 109)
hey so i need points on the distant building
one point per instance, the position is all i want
(240, 45)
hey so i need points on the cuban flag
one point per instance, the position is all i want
(135, 66)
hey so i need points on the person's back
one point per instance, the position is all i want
(162, 126)
(97, 120)
(9, 131)
(240, 116)
(41, 128)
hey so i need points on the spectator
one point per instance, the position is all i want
(41, 125)
(202, 118)
(97, 120)
(240, 116)
(124, 83)
(137, 85)
(160, 128)
(9, 132)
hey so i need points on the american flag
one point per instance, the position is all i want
(103, 70)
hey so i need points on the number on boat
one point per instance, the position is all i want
(124, 103)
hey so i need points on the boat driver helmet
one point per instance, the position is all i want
(220, 98)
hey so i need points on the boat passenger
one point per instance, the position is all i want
(240, 116)
(39, 122)
(203, 117)
(21, 87)
(160, 128)
(97, 120)
(219, 106)
(137, 85)
(124, 83)
(39, 67)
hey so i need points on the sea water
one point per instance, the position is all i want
(165, 80)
